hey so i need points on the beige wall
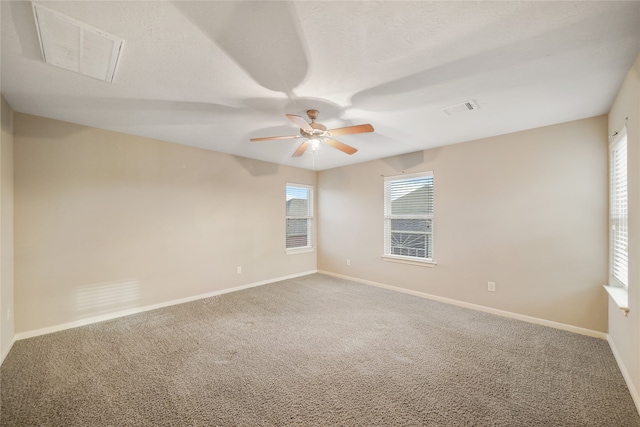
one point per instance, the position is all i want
(106, 222)
(6, 229)
(526, 210)
(624, 331)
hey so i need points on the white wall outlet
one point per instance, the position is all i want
(239, 269)
(491, 286)
(348, 261)
(8, 314)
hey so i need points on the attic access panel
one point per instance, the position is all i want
(76, 46)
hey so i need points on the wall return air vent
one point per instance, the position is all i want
(76, 46)
(461, 107)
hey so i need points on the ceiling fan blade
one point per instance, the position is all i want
(340, 146)
(351, 129)
(301, 149)
(269, 138)
(302, 123)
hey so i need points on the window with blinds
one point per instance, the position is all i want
(618, 211)
(408, 216)
(299, 214)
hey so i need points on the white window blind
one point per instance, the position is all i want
(408, 216)
(618, 211)
(299, 213)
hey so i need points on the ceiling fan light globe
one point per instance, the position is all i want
(315, 144)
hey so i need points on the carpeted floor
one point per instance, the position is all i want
(314, 351)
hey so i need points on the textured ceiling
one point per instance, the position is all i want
(214, 74)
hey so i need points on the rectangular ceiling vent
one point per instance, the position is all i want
(461, 108)
(76, 46)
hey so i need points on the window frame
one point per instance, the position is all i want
(310, 246)
(387, 217)
(618, 216)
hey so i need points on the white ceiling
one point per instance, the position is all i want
(214, 74)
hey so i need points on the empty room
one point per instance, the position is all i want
(319, 213)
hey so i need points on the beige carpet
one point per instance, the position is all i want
(314, 351)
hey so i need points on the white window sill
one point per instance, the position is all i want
(300, 250)
(620, 296)
(410, 260)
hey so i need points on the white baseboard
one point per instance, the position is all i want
(623, 369)
(114, 315)
(6, 351)
(537, 321)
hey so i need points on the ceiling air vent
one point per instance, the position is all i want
(76, 46)
(461, 108)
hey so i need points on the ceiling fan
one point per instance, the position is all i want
(316, 133)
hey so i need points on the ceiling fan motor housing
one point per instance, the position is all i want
(319, 131)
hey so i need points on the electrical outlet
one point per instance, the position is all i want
(8, 314)
(348, 261)
(491, 286)
(239, 269)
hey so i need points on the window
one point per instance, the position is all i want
(299, 216)
(408, 217)
(618, 211)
